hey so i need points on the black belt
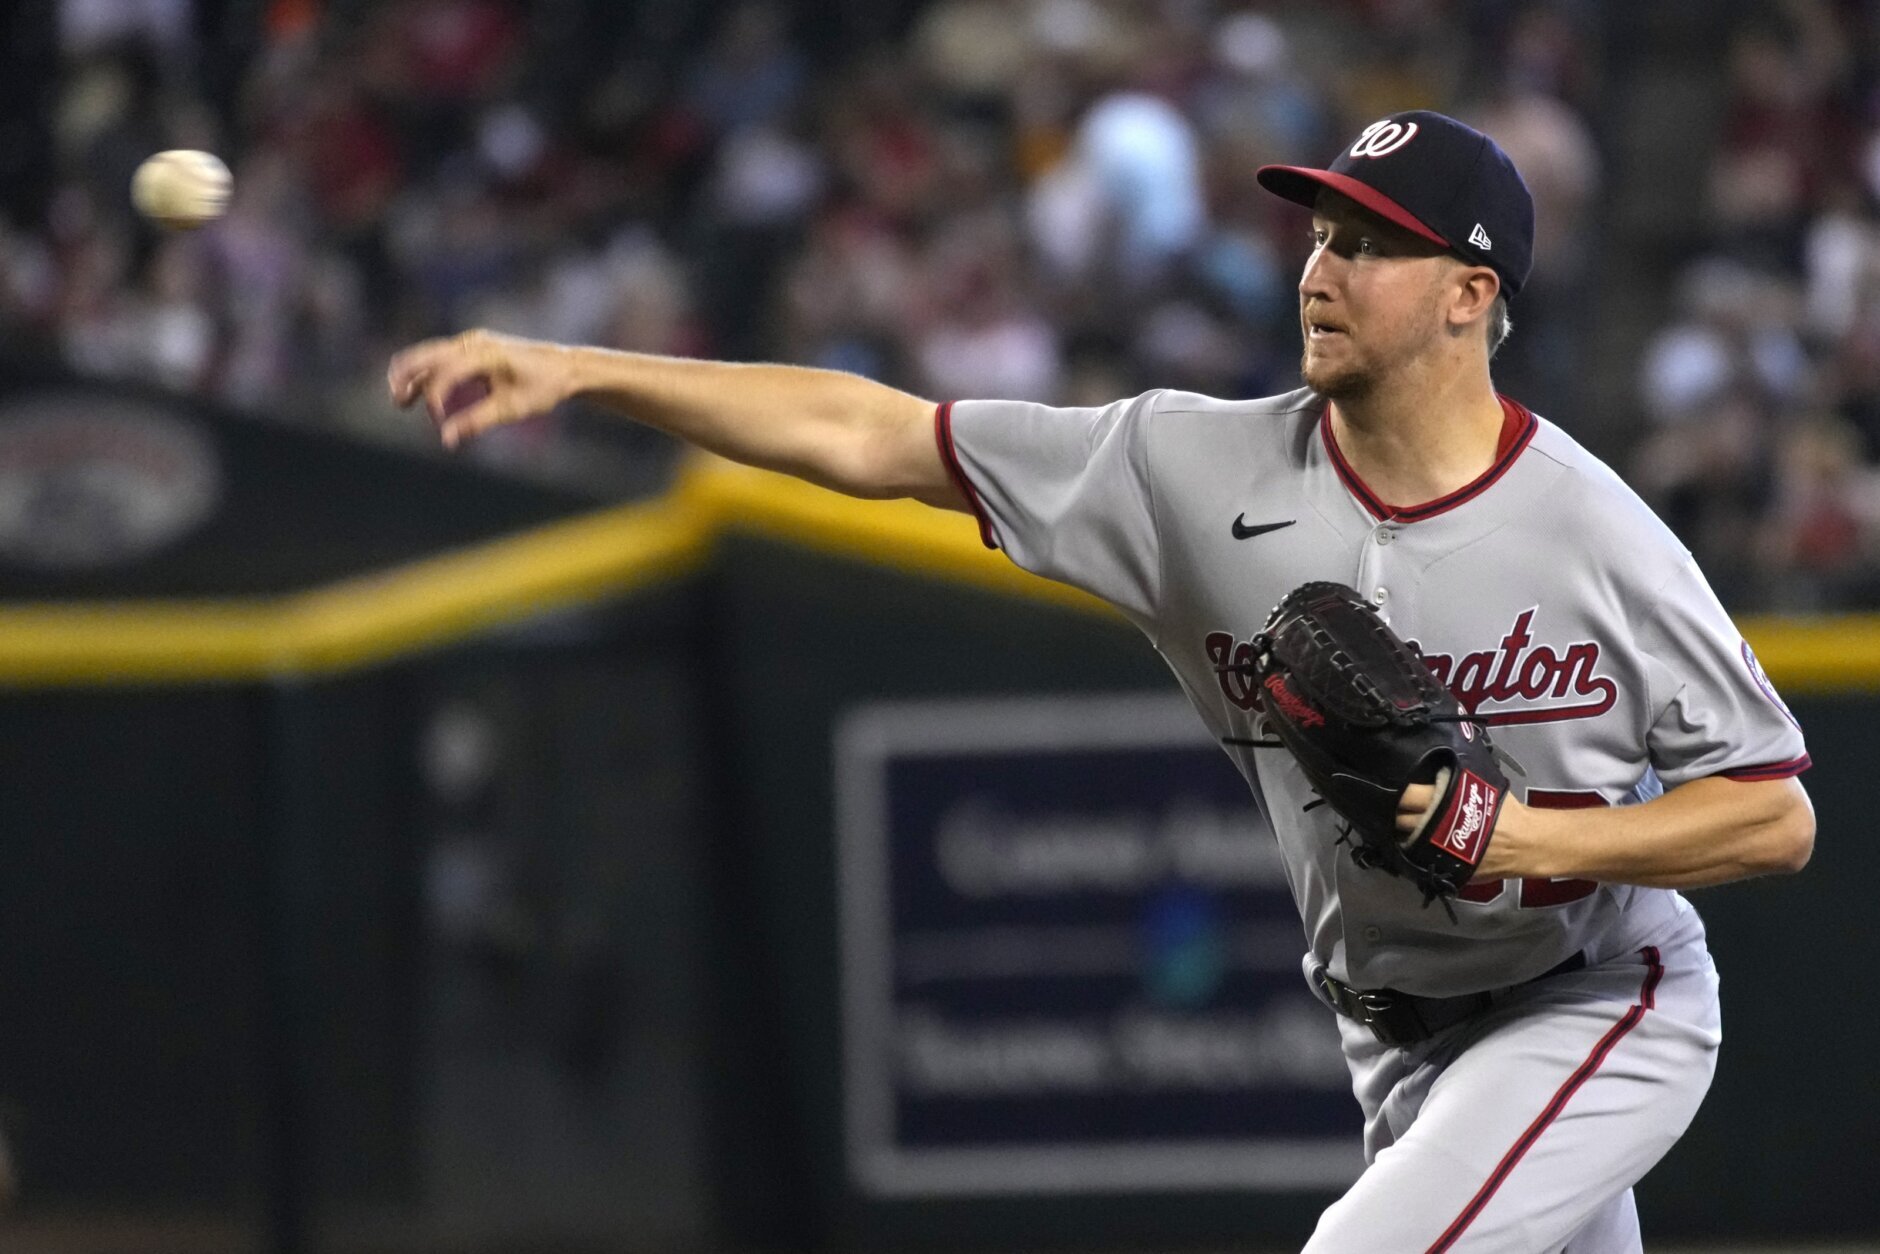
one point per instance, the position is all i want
(1403, 1018)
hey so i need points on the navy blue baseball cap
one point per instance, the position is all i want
(1435, 177)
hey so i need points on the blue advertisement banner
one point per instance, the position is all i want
(1071, 960)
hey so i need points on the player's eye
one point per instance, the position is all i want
(1366, 246)
(1318, 237)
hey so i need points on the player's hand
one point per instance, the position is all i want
(1411, 806)
(1502, 853)
(478, 380)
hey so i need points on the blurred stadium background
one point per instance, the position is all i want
(528, 850)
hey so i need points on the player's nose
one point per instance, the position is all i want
(1319, 280)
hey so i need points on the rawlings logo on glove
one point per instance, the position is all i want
(1296, 709)
(1474, 805)
(1365, 718)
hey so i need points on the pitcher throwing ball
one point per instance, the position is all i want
(1528, 1047)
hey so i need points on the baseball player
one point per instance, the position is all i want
(1520, 1064)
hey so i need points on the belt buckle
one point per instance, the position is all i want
(1372, 1007)
(1392, 1021)
(1377, 1000)
(1375, 1005)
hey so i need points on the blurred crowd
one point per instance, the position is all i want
(1050, 199)
(1761, 392)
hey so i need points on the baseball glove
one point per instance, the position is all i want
(1365, 718)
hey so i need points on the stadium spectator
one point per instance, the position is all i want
(1763, 390)
(1043, 198)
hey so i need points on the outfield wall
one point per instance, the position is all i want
(231, 986)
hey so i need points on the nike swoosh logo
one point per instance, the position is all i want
(1243, 532)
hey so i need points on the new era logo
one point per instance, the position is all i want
(1479, 238)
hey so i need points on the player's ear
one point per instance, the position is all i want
(1472, 296)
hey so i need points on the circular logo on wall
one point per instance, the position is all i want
(90, 480)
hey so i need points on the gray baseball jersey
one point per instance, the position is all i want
(1556, 607)
(1546, 594)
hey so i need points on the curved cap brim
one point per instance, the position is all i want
(1301, 185)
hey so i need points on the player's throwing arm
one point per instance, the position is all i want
(837, 430)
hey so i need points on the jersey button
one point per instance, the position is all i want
(1380, 597)
(1374, 933)
(1384, 535)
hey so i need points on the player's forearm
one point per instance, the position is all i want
(834, 429)
(1709, 831)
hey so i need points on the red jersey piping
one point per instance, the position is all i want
(1769, 770)
(950, 458)
(1517, 432)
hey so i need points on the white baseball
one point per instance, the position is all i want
(181, 188)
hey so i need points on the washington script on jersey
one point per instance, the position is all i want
(1516, 670)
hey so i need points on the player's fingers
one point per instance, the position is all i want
(1412, 805)
(492, 411)
(455, 383)
(438, 387)
(432, 369)
(410, 367)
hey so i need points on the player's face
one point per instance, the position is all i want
(1370, 300)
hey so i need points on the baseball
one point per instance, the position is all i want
(181, 188)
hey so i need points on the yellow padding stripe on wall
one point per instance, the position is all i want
(903, 534)
(361, 621)
(356, 621)
(1828, 653)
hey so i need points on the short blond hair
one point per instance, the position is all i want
(1499, 324)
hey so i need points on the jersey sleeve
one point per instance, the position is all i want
(1065, 492)
(1714, 712)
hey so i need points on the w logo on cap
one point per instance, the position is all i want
(1382, 138)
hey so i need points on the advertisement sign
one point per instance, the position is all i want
(1070, 959)
(90, 480)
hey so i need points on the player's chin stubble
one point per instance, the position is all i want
(1334, 383)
